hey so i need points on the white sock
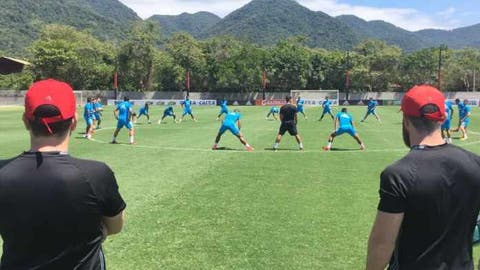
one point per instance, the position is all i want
(329, 144)
(247, 145)
(114, 139)
(132, 139)
(276, 145)
(300, 145)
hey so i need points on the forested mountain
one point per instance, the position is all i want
(457, 38)
(22, 20)
(268, 21)
(392, 35)
(193, 24)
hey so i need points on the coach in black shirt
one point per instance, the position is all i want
(288, 117)
(430, 199)
(55, 210)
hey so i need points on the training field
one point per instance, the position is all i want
(189, 207)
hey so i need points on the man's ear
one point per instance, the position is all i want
(26, 123)
(73, 126)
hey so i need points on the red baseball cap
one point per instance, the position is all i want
(416, 98)
(50, 92)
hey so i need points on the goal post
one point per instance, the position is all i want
(79, 97)
(316, 97)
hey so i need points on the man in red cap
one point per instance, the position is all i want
(430, 199)
(56, 210)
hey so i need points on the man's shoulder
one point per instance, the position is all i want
(5, 162)
(90, 166)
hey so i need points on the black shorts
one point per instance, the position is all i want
(291, 127)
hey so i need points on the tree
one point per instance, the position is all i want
(135, 60)
(76, 57)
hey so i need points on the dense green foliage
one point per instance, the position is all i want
(22, 20)
(189, 207)
(268, 21)
(193, 24)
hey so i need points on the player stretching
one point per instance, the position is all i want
(371, 106)
(344, 123)
(232, 123)
(168, 112)
(300, 109)
(144, 111)
(447, 124)
(326, 109)
(288, 116)
(464, 119)
(97, 107)
(273, 111)
(223, 108)
(187, 109)
(123, 113)
(88, 115)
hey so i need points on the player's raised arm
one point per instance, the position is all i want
(115, 113)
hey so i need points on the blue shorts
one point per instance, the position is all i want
(223, 110)
(89, 120)
(465, 123)
(165, 114)
(232, 127)
(300, 109)
(97, 116)
(122, 123)
(342, 130)
(371, 111)
(142, 112)
(327, 110)
(187, 111)
(446, 125)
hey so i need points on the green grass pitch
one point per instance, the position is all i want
(193, 208)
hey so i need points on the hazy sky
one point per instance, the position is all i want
(409, 14)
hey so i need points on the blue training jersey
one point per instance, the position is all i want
(460, 106)
(300, 103)
(448, 109)
(168, 109)
(344, 120)
(223, 104)
(372, 104)
(232, 118)
(326, 104)
(187, 103)
(88, 110)
(97, 106)
(464, 112)
(124, 109)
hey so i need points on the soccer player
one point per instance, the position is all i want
(273, 111)
(168, 112)
(447, 124)
(98, 108)
(123, 113)
(232, 123)
(460, 106)
(371, 106)
(288, 116)
(144, 111)
(464, 119)
(344, 124)
(326, 109)
(223, 108)
(56, 209)
(429, 199)
(300, 108)
(88, 115)
(187, 109)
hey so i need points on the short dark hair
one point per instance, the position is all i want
(288, 98)
(89, 99)
(344, 109)
(58, 129)
(126, 99)
(424, 124)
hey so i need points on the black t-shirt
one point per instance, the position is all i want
(288, 112)
(51, 208)
(438, 190)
